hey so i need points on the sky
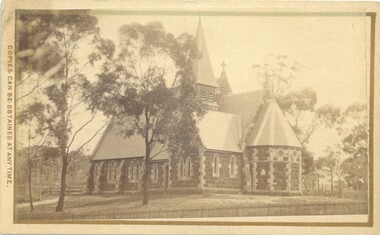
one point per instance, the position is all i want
(333, 52)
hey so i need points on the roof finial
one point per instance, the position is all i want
(224, 65)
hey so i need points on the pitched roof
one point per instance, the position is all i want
(220, 131)
(202, 66)
(272, 128)
(245, 105)
(223, 84)
(113, 145)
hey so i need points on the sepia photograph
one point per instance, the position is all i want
(194, 116)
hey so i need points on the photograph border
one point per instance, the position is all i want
(369, 223)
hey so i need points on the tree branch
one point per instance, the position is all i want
(90, 139)
(160, 151)
(79, 130)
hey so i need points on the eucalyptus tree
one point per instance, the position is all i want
(149, 89)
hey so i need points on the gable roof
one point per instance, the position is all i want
(202, 67)
(245, 105)
(217, 131)
(272, 128)
(113, 145)
(220, 131)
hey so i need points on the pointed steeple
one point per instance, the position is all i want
(223, 84)
(204, 74)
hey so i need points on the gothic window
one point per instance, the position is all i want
(130, 170)
(154, 173)
(215, 166)
(233, 166)
(111, 172)
(136, 171)
(187, 167)
(96, 172)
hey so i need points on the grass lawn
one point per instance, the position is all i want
(129, 203)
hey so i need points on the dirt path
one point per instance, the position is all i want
(37, 203)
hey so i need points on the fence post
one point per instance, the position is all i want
(297, 208)
(324, 208)
(269, 209)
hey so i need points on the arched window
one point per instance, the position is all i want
(96, 171)
(215, 165)
(114, 172)
(136, 171)
(111, 172)
(154, 174)
(233, 166)
(187, 167)
(181, 168)
(130, 170)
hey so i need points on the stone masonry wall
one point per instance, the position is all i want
(274, 168)
(225, 180)
(176, 181)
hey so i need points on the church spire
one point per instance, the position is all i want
(204, 74)
(223, 84)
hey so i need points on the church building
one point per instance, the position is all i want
(247, 146)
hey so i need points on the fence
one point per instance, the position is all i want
(265, 210)
(363, 195)
(69, 190)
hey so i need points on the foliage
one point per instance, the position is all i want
(57, 58)
(307, 161)
(354, 130)
(277, 74)
(330, 164)
(304, 117)
(149, 89)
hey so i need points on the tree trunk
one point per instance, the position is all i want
(339, 185)
(305, 183)
(62, 193)
(30, 185)
(146, 176)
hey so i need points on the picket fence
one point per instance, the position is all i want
(264, 210)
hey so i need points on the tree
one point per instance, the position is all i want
(35, 54)
(149, 90)
(33, 117)
(307, 168)
(61, 37)
(354, 131)
(304, 117)
(330, 165)
(276, 74)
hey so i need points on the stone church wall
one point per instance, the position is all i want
(184, 182)
(125, 176)
(224, 180)
(274, 169)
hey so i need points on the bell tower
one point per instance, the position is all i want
(205, 82)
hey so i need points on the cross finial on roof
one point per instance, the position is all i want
(224, 65)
